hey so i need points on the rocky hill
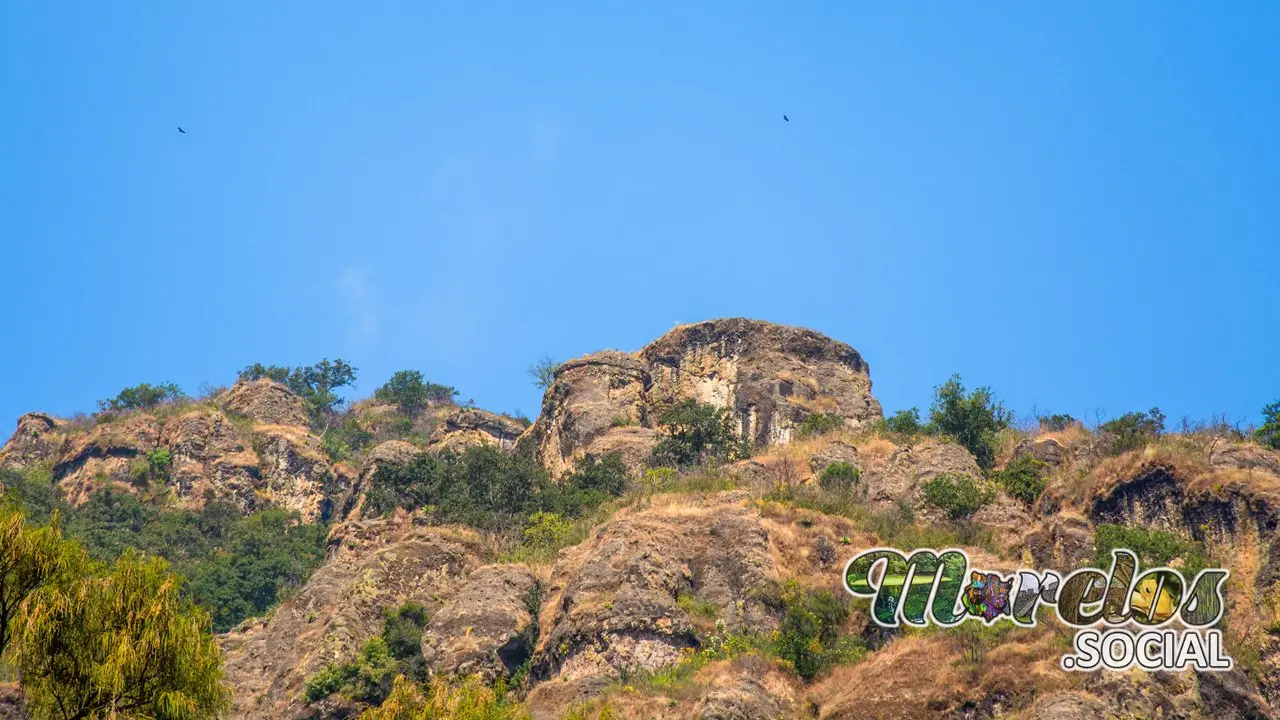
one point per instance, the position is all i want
(676, 594)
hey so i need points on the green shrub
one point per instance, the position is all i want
(543, 372)
(402, 631)
(32, 492)
(547, 530)
(696, 434)
(1268, 433)
(1023, 478)
(839, 477)
(905, 422)
(809, 637)
(1056, 422)
(411, 394)
(593, 481)
(367, 679)
(960, 495)
(141, 397)
(1132, 431)
(1154, 548)
(819, 424)
(973, 419)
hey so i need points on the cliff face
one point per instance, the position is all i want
(770, 378)
(676, 569)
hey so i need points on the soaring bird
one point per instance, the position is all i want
(184, 132)
(784, 117)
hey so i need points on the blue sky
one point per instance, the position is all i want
(1076, 206)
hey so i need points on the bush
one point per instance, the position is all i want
(809, 637)
(906, 422)
(411, 394)
(1268, 433)
(1132, 431)
(973, 420)
(819, 424)
(141, 397)
(1055, 423)
(1023, 478)
(960, 495)
(402, 631)
(1154, 548)
(367, 679)
(466, 699)
(593, 481)
(547, 530)
(839, 477)
(696, 434)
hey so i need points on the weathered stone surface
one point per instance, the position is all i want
(296, 475)
(265, 401)
(484, 627)
(11, 706)
(391, 452)
(464, 427)
(207, 455)
(909, 468)
(1245, 456)
(373, 566)
(771, 377)
(37, 440)
(104, 455)
(1047, 450)
(588, 396)
(836, 451)
(1061, 542)
(612, 602)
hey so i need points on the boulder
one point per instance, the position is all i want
(207, 455)
(1047, 450)
(836, 451)
(484, 627)
(295, 473)
(38, 440)
(265, 401)
(465, 427)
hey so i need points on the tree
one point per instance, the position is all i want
(906, 422)
(973, 420)
(125, 645)
(1132, 430)
(960, 495)
(141, 397)
(696, 433)
(314, 383)
(29, 557)
(1269, 432)
(543, 372)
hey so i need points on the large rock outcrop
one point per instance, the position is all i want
(769, 377)
(373, 566)
(486, 626)
(464, 427)
(37, 441)
(265, 401)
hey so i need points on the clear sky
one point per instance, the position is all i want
(1075, 206)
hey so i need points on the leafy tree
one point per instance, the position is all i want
(543, 372)
(906, 422)
(1268, 433)
(819, 424)
(402, 630)
(407, 390)
(973, 419)
(126, 644)
(29, 557)
(1023, 478)
(696, 433)
(313, 383)
(593, 481)
(1056, 422)
(141, 397)
(1132, 430)
(32, 492)
(960, 495)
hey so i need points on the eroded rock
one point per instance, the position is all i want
(265, 401)
(485, 626)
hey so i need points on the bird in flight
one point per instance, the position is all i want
(184, 132)
(784, 117)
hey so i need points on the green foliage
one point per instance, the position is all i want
(1132, 430)
(237, 567)
(467, 699)
(1154, 548)
(411, 394)
(973, 419)
(593, 481)
(698, 608)
(839, 477)
(368, 678)
(314, 384)
(543, 372)
(30, 556)
(960, 495)
(547, 530)
(1023, 478)
(819, 424)
(1268, 433)
(1056, 422)
(809, 637)
(124, 644)
(30, 491)
(905, 422)
(402, 632)
(141, 397)
(695, 435)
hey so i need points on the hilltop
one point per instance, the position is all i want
(665, 539)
